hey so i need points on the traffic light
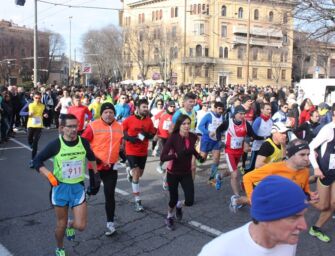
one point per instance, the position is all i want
(20, 2)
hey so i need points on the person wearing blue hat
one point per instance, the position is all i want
(278, 206)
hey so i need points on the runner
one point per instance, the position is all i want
(80, 111)
(179, 149)
(105, 135)
(69, 153)
(138, 129)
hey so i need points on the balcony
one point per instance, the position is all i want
(199, 60)
(266, 32)
(258, 41)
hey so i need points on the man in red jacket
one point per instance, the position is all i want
(138, 129)
(80, 111)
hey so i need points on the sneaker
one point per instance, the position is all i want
(169, 223)
(212, 182)
(110, 229)
(165, 185)
(129, 177)
(159, 169)
(233, 206)
(241, 170)
(138, 206)
(31, 164)
(70, 233)
(218, 182)
(179, 213)
(60, 252)
(314, 231)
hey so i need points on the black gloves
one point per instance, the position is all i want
(201, 159)
(132, 139)
(147, 135)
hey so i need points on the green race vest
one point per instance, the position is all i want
(192, 116)
(70, 163)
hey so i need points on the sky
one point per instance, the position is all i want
(56, 18)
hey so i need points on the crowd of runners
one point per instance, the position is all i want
(253, 132)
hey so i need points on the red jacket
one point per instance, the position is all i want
(79, 112)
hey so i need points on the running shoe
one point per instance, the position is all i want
(60, 252)
(165, 185)
(212, 182)
(315, 231)
(218, 181)
(138, 206)
(233, 206)
(70, 233)
(179, 213)
(169, 223)
(159, 169)
(241, 170)
(31, 164)
(110, 229)
(129, 177)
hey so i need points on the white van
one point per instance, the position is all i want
(318, 90)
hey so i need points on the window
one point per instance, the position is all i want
(199, 29)
(199, 8)
(176, 11)
(240, 53)
(194, 9)
(198, 50)
(225, 54)
(240, 13)
(153, 15)
(270, 53)
(157, 15)
(207, 10)
(239, 72)
(223, 31)
(197, 71)
(254, 53)
(269, 74)
(256, 14)
(254, 73)
(23, 53)
(223, 10)
(206, 52)
(140, 36)
(156, 55)
(206, 71)
(172, 12)
(285, 39)
(282, 57)
(285, 18)
(283, 74)
(175, 52)
(191, 52)
(174, 32)
(160, 14)
(203, 9)
(221, 52)
(190, 73)
(271, 16)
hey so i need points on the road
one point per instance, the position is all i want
(27, 220)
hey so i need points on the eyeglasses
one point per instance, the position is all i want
(72, 126)
(172, 106)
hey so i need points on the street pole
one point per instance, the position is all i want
(248, 43)
(35, 45)
(70, 18)
(184, 69)
(165, 59)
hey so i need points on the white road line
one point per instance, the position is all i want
(10, 148)
(208, 229)
(4, 251)
(21, 144)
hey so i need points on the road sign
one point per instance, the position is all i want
(87, 68)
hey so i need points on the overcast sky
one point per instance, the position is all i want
(56, 18)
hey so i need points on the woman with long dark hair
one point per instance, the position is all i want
(178, 150)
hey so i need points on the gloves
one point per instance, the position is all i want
(201, 159)
(147, 135)
(52, 179)
(132, 139)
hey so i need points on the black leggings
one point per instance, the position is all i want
(186, 182)
(109, 179)
(34, 135)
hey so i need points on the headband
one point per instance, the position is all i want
(294, 149)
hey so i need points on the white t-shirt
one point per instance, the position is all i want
(65, 104)
(238, 242)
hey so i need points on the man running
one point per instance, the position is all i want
(69, 153)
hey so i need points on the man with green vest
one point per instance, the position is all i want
(69, 153)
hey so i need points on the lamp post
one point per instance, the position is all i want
(35, 45)
(248, 42)
(70, 18)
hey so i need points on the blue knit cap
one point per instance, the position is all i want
(276, 198)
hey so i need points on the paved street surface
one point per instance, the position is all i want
(27, 220)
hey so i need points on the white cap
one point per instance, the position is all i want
(279, 127)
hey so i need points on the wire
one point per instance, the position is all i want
(80, 6)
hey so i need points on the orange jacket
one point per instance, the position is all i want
(105, 141)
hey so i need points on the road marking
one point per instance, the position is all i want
(208, 229)
(10, 148)
(4, 251)
(119, 191)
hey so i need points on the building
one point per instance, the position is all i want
(312, 58)
(208, 41)
(17, 51)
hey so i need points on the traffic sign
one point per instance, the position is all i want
(87, 68)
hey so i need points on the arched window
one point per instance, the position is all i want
(198, 51)
(176, 11)
(194, 9)
(199, 8)
(271, 16)
(240, 13)
(223, 10)
(225, 54)
(203, 9)
(285, 18)
(220, 52)
(256, 14)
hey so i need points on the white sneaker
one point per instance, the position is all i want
(129, 177)
(233, 206)
(159, 169)
(110, 229)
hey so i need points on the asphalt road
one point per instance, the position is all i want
(27, 220)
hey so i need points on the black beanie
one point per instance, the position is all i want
(107, 105)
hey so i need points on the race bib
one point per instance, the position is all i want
(166, 124)
(236, 142)
(36, 120)
(72, 169)
(331, 162)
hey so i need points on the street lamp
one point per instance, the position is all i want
(70, 18)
